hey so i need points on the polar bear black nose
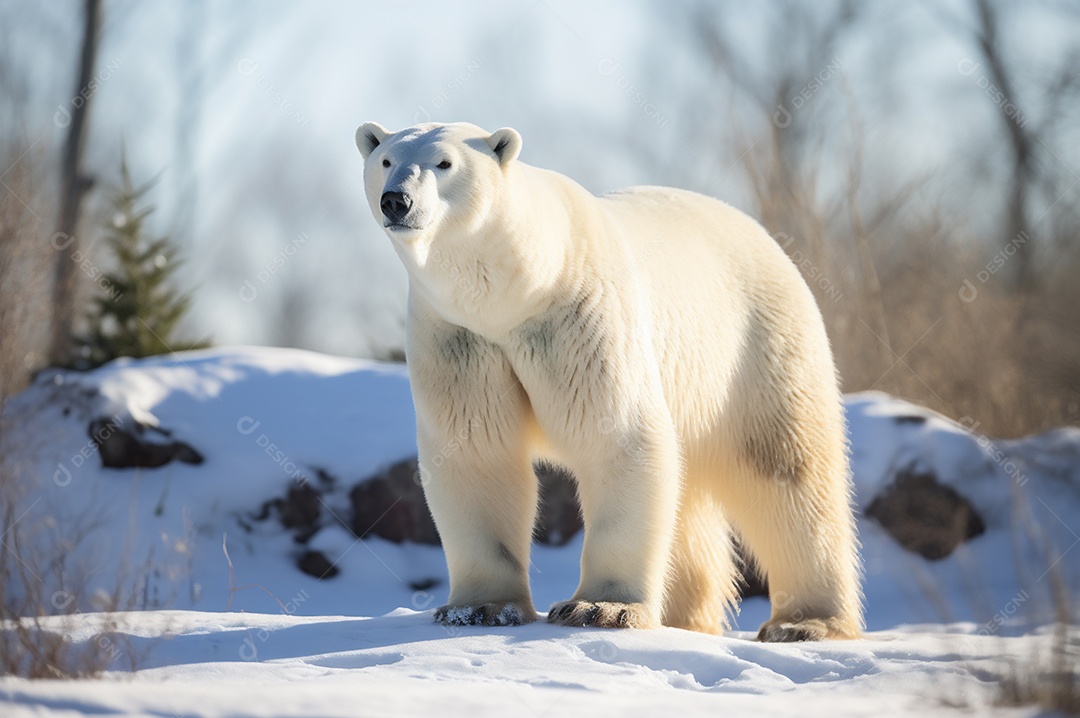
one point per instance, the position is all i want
(395, 205)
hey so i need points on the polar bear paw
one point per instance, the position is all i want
(485, 614)
(602, 614)
(811, 629)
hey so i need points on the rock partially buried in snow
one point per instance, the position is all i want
(559, 516)
(299, 511)
(391, 505)
(121, 448)
(315, 563)
(925, 516)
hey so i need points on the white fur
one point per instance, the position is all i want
(655, 341)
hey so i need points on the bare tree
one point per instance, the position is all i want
(191, 77)
(783, 163)
(1031, 108)
(783, 90)
(74, 187)
(1021, 140)
(883, 247)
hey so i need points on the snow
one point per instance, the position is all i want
(215, 664)
(271, 640)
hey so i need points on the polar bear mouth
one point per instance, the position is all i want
(400, 227)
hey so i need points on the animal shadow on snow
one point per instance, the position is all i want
(331, 643)
(706, 662)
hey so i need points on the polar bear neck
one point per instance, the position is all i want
(506, 269)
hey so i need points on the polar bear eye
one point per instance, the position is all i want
(444, 165)
(386, 163)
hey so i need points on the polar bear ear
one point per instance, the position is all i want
(505, 143)
(369, 136)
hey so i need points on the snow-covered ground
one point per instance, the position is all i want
(270, 640)
(204, 664)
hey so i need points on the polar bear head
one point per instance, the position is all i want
(432, 179)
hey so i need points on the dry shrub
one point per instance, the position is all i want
(38, 579)
(26, 266)
(1049, 679)
(35, 642)
(1003, 359)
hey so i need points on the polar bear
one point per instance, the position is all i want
(656, 342)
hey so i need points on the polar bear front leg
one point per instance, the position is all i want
(472, 418)
(629, 487)
(484, 509)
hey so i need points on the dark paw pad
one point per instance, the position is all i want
(485, 614)
(601, 614)
(812, 630)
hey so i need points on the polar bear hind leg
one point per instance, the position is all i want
(801, 534)
(702, 575)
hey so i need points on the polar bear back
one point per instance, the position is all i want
(731, 315)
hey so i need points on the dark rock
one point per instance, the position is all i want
(424, 584)
(121, 448)
(391, 505)
(300, 508)
(299, 511)
(265, 509)
(751, 582)
(325, 478)
(559, 515)
(925, 516)
(315, 563)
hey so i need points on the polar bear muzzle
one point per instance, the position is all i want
(395, 207)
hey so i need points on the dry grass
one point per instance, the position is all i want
(35, 642)
(1050, 679)
(1006, 360)
(26, 265)
(44, 583)
(39, 584)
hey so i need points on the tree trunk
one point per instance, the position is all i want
(1021, 144)
(73, 188)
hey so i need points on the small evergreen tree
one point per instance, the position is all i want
(138, 313)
